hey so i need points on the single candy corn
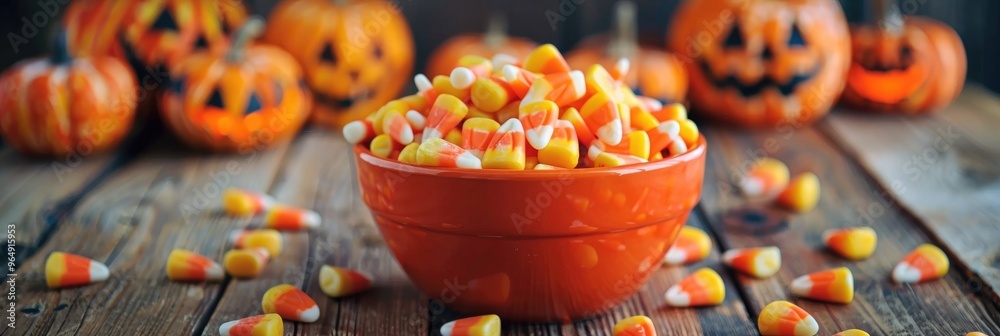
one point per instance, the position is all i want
(852, 243)
(396, 126)
(539, 120)
(416, 120)
(583, 133)
(689, 132)
(484, 325)
(564, 149)
(782, 318)
(760, 262)
(506, 149)
(189, 266)
(836, 285)
(491, 94)
(284, 217)
(767, 176)
(620, 70)
(546, 59)
(246, 263)
(266, 238)
(383, 146)
(598, 80)
(409, 153)
(443, 85)
(638, 325)
(338, 282)
(425, 88)
(605, 159)
(476, 134)
(242, 203)
(440, 153)
(926, 262)
(661, 136)
(600, 113)
(519, 79)
(290, 303)
(642, 120)
(704, 287)
(561, 88)
(677, 146)
(378, 119)
(669, 112)
(858, 332)
(974, 333)
(444, 115)
(692, 244)
(260, 325)
(802, 193)
(625, 114)
(358, 131)
(68, 270)
(635, 144)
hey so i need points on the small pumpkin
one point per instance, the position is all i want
(357, 55)
(653, 73)
(903, 64)
(62, 105)
(762, 62)
(94, 27)
(240, 99)
(494, 41)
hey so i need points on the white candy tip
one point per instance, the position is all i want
(904, 273)
(801, 286)
(234, 235)
(578, 82)
(311, 219)
(423, 84)
(406, 136)
(214, 272)
(501, 60)
(462, 78)
(540, 136)
(674, 256)
(310, 315)
(224, 328)
(467, 160)
(355, 131)
(827, 235)
(98, 272)
(447, 328)
(593, 152)
(416, 119)
(623, 65)
(509, 72)
(676, 297)
(611, 133)
(751, 187)
(431, 133)
(807, 326)
(669, 127)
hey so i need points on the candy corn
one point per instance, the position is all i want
(440, 153)
(415, 102)
(662, 135)
(669, 112)
(600, 113)
(560, 88)
(855, 332)
(260, 325)
(642, 120)
(974, 333)
(926, 262)
(801, 194)
(383, 146)
(704, 287)
(760, 262)
(476, 134)
(338, 282)
(506, 149)
(598, 79)
(417, 121)
(852, 243)
(539, 120)
(518, 79)
(563, 149)
(583, 134)
(689, 132)
(454, 136)
(446, 113)
(546, 59)
(781, 318)
(396, 126)
(246, 263)
(409, 153)
(290, 303)
(358, 131)
(620, 69)
(266, 238)
(284, 217)
(491, 94)
(836, 285)
(635, 144)
(692, 244)
(189, 266)
(542, 166)
(470, 69)
(242, 203)
(442, 84)
(676, 146)
(625, 114)
(767, 176)
(378, 119)
(484, 325)
(638, 325)
(605, 159)
(501, 60)
(425, 88)
(68, 270)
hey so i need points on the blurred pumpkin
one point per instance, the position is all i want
(494, 41)
(166, 31)
(904, 64)
(762, 62)
(652, 73)
(94, 27)
(61, 105)
(357, 55)
(240, 99)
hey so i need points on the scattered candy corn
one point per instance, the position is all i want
(185, 265)
(638, 325)
(290, 303)
(767, 176)
(854, 332)
(284, 217)
(546, 59)
(836, 285)
(782, 318)
(266, 238)
(704, 287)
(338, 282)
(260, 325)
(598, 79)
(484, 325)
(563, 149)
(68, 270)
(242, 203)
(246, 263)
(852, 243)
(506, 149)
(692, 244)
(760, 262)
(801, 194)
(926, 262)
(440, 153)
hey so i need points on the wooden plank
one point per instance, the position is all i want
(944, 169)
(881, 307)
(168, 198)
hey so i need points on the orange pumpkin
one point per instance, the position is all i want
(357, 55)
(910, 65)
(166, 31)
(653, 73)
(494, 41)
(94, 27)
(62, 106)
(240, 99)
(762, 62)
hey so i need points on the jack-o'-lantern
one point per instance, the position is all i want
(652, 73)
(166, 31)
(94, 27)
(357, 55)
(62, 105)
(494, 41)
(239, 99)
(762, 62)
(910, 65)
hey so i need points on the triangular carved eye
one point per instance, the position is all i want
(795, 37)
(215, 100)
(165, 21)
(327, 55)
(201, 43)
(735, 38)
(177, 85)
(253, 104)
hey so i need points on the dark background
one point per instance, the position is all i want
(433, 21)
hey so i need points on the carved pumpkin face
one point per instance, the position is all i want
(93, 27)
(763, 62)
(165, 31)
(356, 55)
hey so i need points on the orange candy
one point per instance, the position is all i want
(284, 217)
(600, 113)
(491, 94)
(802, 193)
(836, 285)
(338, 282)
(638, 325)
(290, 303)
(704, 287)
(583, 133)
(635, 144)
(485, 325)
(446, 113)
(507, 149)
(242, 203)
(692, 244)
(663, 135)
(561, 88)
(185, 265)
(397, 127)
(852, 243)
(760, 262)
(782, 318)
(69, 270)
(546, 59)
(476, 134)
(766, 177)
(519, 80)
(926, 262)
(539, 120)
(260, 325)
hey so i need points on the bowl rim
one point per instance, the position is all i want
(363, 154)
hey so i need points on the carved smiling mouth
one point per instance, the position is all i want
(750, 90)
(342, 103)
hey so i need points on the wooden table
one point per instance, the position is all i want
(915, 180)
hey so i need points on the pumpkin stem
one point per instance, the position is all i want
(496, 31)
(888, 16)
(249, 31)
(624, 40)
(60, 49)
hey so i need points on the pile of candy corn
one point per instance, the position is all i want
(534, 115)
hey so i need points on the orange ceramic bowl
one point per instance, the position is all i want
(531, 245)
